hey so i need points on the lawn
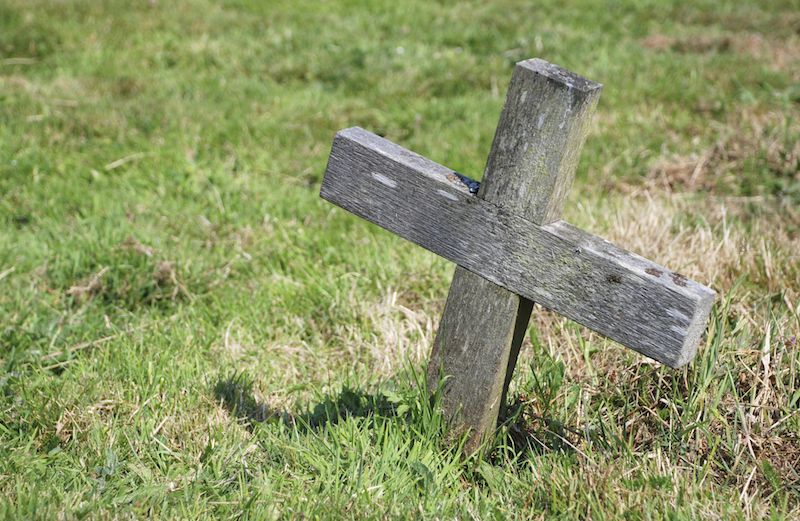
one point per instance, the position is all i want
(187, 330)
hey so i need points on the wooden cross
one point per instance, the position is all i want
(510, 247)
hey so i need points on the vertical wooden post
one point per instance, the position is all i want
(530, 170)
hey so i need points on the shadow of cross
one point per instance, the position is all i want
(510, 247)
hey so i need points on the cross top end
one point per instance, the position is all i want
(560, 75)
(538, 139)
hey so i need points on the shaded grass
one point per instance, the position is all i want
(159, 169)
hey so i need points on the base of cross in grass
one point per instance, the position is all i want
(510, 246)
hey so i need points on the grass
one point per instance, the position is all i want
(187, 330)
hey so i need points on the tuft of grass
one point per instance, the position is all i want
(188, 331)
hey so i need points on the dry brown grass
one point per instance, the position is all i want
(747, 141)
(721, 242)
(715, 240)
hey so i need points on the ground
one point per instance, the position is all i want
(187, 330)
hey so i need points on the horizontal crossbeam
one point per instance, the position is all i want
(621, 295)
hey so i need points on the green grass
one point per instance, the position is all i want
(187, 330)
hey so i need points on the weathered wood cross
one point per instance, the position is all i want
(510, 246)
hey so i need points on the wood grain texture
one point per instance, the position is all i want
(471, 352)
(475, 349)
(538, 141)
(620, 295)
(530, 168)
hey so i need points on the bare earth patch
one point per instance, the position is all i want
(780, 54)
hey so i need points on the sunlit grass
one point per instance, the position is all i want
(187, 330)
